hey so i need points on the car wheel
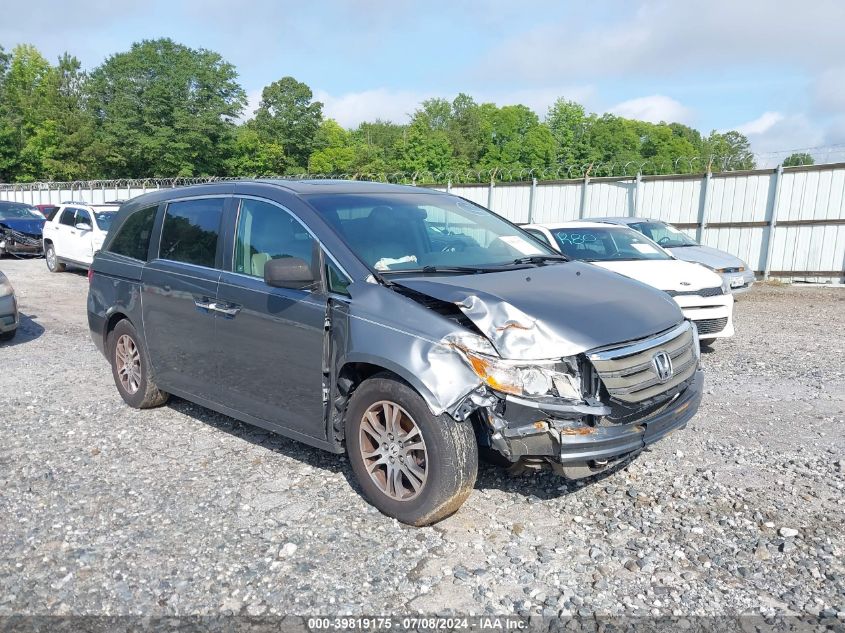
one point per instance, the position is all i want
(131, 368)
(414, 466)
(8, 336)
(708, 343)
(53, 263)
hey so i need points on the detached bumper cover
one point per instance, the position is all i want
(580, 443)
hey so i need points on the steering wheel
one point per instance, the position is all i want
(664, 240)
(453, 248)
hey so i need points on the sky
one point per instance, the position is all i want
(774, 70)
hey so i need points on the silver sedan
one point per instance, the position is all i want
(8, 310)
(736, 274)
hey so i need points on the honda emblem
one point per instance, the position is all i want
(662, 364)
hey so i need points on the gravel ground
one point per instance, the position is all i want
(174, 511)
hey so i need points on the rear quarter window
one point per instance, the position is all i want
(133, 236)
(190, 231)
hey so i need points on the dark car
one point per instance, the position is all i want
(21, 227)
(325, 311)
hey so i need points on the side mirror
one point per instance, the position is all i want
(83, 226)
(288, 272)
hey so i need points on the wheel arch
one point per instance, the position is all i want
(112, 320)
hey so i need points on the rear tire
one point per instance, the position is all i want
(53, 263)
(131, 368)
(423, 466)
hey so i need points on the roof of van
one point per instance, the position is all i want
(338, 186)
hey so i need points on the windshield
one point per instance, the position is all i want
(664, 234)
(104, 219)
(19, 212)
(601, 244)
(410, 232)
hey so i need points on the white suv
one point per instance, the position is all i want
(74, 233)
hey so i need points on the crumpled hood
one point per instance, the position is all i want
(553, 311)
(712, 257)
(31, 227)
(666, 274)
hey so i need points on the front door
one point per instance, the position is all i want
(81, 245)
(178, 292)
(65, 233)
(271, 339)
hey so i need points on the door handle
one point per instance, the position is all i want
(203, 304)
(227, 310)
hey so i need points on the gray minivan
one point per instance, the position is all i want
(409, 328)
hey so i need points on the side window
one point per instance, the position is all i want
(83, 216)
(267, 232)
(133, 237)
(67, 217)
(336, 280)
(190, 231)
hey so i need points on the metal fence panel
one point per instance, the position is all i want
(796, 214)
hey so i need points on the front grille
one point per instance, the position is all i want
(704, 292)
(711, 326)
(629, 373)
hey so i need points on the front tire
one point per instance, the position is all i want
(53, 263)
(411, 465)
(8, 336)
(131, 368)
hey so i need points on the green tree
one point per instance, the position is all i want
(24, 96)
(66, 141)
(567, 121)
(252, 156)
(797, 159)
(727, 151)
(333, 152)
(164, 109)
(289, 116)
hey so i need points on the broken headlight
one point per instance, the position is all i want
(518, 377)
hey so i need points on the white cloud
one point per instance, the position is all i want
(654, 108)
(774, 135)
(761, 124)
(351, 108)
(667, 36)
(830, 90)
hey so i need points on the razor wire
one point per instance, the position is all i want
(619, 169)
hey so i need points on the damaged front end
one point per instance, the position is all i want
(583, 414)
(540, 377)
(18, 242)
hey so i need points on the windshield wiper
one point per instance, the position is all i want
(540, 259)
(441, 269)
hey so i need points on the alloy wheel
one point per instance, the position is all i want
(393, 450)
(128, 363)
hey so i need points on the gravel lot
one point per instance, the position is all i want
(179, 510)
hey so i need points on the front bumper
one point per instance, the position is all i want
(9, 318)
(739, 282)
(16, 248)
(576, 443)
(713, 316)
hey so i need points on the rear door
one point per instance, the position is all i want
(271, 341)
(179, 288)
